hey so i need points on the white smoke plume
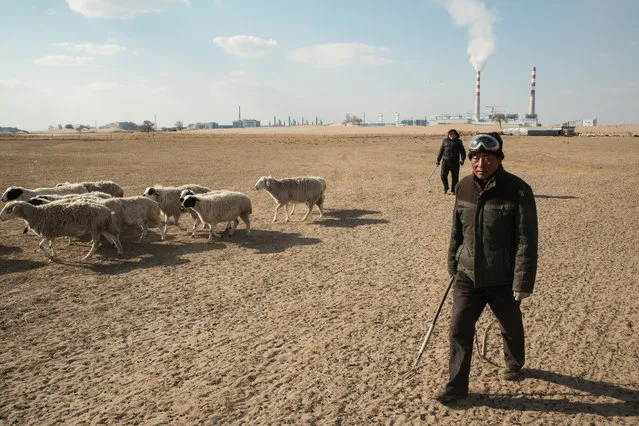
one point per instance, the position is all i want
(479, 20)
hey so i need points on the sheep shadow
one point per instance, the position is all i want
(349, 218)
(150, 253)
(627, 404)
(267, 242)
(10, 266)
(559, 197)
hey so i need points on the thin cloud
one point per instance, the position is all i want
(101, 86)
(14, 84)
(566, 92)
(246, 46)
(51, 12)
(122, 9)
(106, 49)
(107, 86)
(63, 61)
(332, 55)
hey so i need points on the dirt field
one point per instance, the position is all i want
(314, 322)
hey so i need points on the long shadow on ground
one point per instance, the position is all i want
(560, 197)
(627, 404)
(265, 242)
(349, 218)
(152, 252)
(9, 266)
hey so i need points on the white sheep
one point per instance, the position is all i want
(136, 211)
(221, 207)
(17, 193)
(168, 197)
(107, 186)
(47, 198)
(197, 222)
(308, 190)
(66, 219)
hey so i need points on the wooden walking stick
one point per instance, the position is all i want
(412, 370)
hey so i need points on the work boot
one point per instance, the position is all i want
(447, 396)
(512, 374)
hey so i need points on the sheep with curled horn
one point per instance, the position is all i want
(308, 190)
(168, 198)
(66, 219)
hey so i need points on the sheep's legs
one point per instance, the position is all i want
(310, 209)
(292, 210)
(143, 234)
(166, 223)
(277, 207)
(233, 227)
(115, 240)
(211, 234)
(94, 246)
(247, 222)
(42, 244)
(319, 206)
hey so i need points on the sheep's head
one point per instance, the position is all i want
(12, 193)
(184, 193)
(11, 210)
(189, 201)
(151, 193)
(263, 183)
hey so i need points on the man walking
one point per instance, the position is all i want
(493, 255)
(453, 154)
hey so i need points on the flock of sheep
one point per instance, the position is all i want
(100, 208)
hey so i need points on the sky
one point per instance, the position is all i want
(100, 61)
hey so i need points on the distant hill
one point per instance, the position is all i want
(11, 130)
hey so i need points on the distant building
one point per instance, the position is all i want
(246, 123)
(590, 123)
(211, 125)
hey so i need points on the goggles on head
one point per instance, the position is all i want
(485, 143)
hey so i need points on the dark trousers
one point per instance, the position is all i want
(450, 166)
(468, 304)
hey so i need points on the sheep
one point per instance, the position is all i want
(168, 197)
(47, 198)
(221, 207)
(61, 218)
(186, 192)
(308, 190)
(17, 193)
(107, 186)
(136, 211)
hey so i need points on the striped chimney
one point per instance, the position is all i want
(477, 98)
(531, 109)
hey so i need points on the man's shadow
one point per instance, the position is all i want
(626, 404)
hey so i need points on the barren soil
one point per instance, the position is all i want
(316, 321)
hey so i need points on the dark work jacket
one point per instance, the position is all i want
(494, 233)
(452, 149)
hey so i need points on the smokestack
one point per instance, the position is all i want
(531, 109)
(239, 112)
(477, 97)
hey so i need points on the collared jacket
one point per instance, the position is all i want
(452, 150)
(494, 232)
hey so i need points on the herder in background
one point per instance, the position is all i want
(493, 256)
(453, 154)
